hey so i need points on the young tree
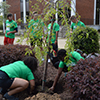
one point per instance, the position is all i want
(49, 8)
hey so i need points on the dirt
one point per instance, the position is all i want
(60, 92)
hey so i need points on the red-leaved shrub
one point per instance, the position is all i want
(84, 80)
(12, 53)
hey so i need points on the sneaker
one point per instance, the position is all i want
(10, 97)
(48, 60)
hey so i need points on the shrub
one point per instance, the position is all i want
(84, 80)
(86, 39)
(12, 53)
(1, 26)
(98, 30)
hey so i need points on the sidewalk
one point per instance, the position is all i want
(61, 42)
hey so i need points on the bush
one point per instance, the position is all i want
(1, 26)
(86, 39)
(84, 80)
(12, 53)
(98, 30)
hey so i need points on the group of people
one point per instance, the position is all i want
(17, 76)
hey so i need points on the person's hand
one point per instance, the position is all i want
(8, 33)
(71, 32)
(51, 88)
(55, 42)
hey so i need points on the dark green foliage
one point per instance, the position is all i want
(99, 30)
(1, 26)
(11, 53)
(84, 80)
(86, 39)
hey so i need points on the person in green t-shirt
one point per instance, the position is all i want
(36, 29)
(17, 76)
(11, 29)
(76, 23)
(73, 57)
(54, 37)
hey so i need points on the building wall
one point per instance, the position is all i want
(14, 8)
(85, 8)
(37, 6)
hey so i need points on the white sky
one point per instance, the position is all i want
(0, 0)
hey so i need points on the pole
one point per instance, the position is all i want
(3, 20)
(73, 7)
(24, 11)
(94, 12)
(56, 15)
(15, 17)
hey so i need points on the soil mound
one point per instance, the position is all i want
(44, 96)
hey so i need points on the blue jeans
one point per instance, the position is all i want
(5, 81)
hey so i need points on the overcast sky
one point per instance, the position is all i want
(0, 0)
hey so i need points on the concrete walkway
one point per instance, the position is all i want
(61, 42)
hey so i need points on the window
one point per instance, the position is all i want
(97, 12)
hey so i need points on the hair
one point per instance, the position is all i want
(9, 15)
(30, 62)
(72, 17)
(61, 53)
(52, 18)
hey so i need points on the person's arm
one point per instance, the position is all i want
(56, 37)
(32, 85)
(71, 28)
(57, 31)
(11, 32)
(56, 78)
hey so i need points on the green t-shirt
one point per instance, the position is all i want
(55, 29)
(74, 57)
(36, 27)
(75, 25)
(18, 69)
(10, 26)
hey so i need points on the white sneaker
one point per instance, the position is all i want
(48, 60)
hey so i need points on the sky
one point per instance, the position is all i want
(0, 0)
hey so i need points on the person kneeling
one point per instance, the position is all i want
(61, 64)
(17, 76)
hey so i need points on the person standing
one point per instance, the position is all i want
(36, 29)
(54, 37)
(76, 23)
(11, 29)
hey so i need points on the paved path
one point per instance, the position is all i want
(61, 42)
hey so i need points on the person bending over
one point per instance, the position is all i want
(73, 57)
(17, 76)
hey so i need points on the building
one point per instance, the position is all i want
(89, 10)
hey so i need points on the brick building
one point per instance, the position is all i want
(89, 10)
